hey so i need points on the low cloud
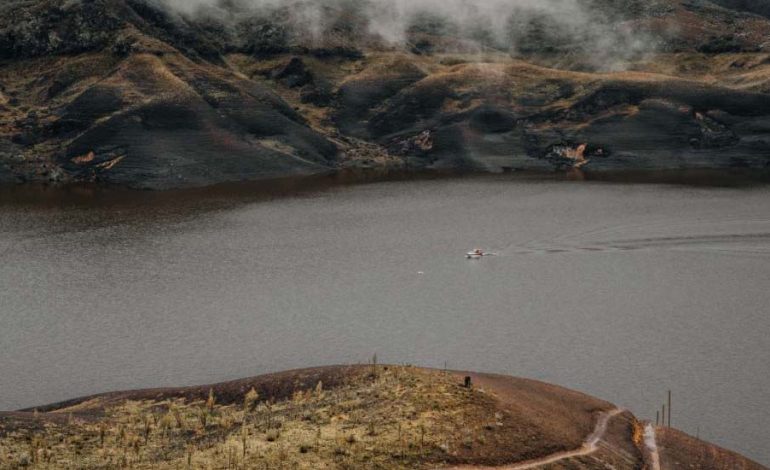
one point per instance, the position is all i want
(518, 26)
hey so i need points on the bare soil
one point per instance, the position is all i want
(346, 417)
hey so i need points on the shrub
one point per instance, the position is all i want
(272, 435)
(203, 417)
(25, 460)
(305, 448)
(250, 400)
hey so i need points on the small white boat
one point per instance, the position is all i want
(477, 254)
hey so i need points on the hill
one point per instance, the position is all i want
(142, 94)
(350, 417)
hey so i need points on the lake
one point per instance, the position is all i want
(623, 291)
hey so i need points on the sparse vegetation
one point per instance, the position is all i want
(383, 420)
(341, 418)
(279, 102)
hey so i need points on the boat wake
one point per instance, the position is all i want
(732, 238)
(754, 244)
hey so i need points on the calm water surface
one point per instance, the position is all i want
(621, 291)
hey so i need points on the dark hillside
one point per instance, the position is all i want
(131, 92)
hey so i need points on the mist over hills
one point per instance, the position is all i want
(167, 93)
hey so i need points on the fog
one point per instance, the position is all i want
(510, 25)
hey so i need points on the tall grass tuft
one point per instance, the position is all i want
(250, 400)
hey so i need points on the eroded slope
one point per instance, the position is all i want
(129, 92)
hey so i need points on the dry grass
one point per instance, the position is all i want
(746, 71)
(366, 417)
(402, 418)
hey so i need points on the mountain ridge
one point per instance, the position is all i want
(131, 93)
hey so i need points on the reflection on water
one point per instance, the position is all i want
(622, 291)
(44, 196)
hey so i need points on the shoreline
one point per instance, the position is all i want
(108, 194)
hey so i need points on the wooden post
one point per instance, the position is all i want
(669, 408)
(374, 365)
(657, 418)
(663, 415)
(468, 383)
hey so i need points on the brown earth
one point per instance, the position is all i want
(347, 417)
(680, 451)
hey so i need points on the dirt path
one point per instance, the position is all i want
(590, 445)
(652, 446)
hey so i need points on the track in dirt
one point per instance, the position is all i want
(652, 446)
(590, 446)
